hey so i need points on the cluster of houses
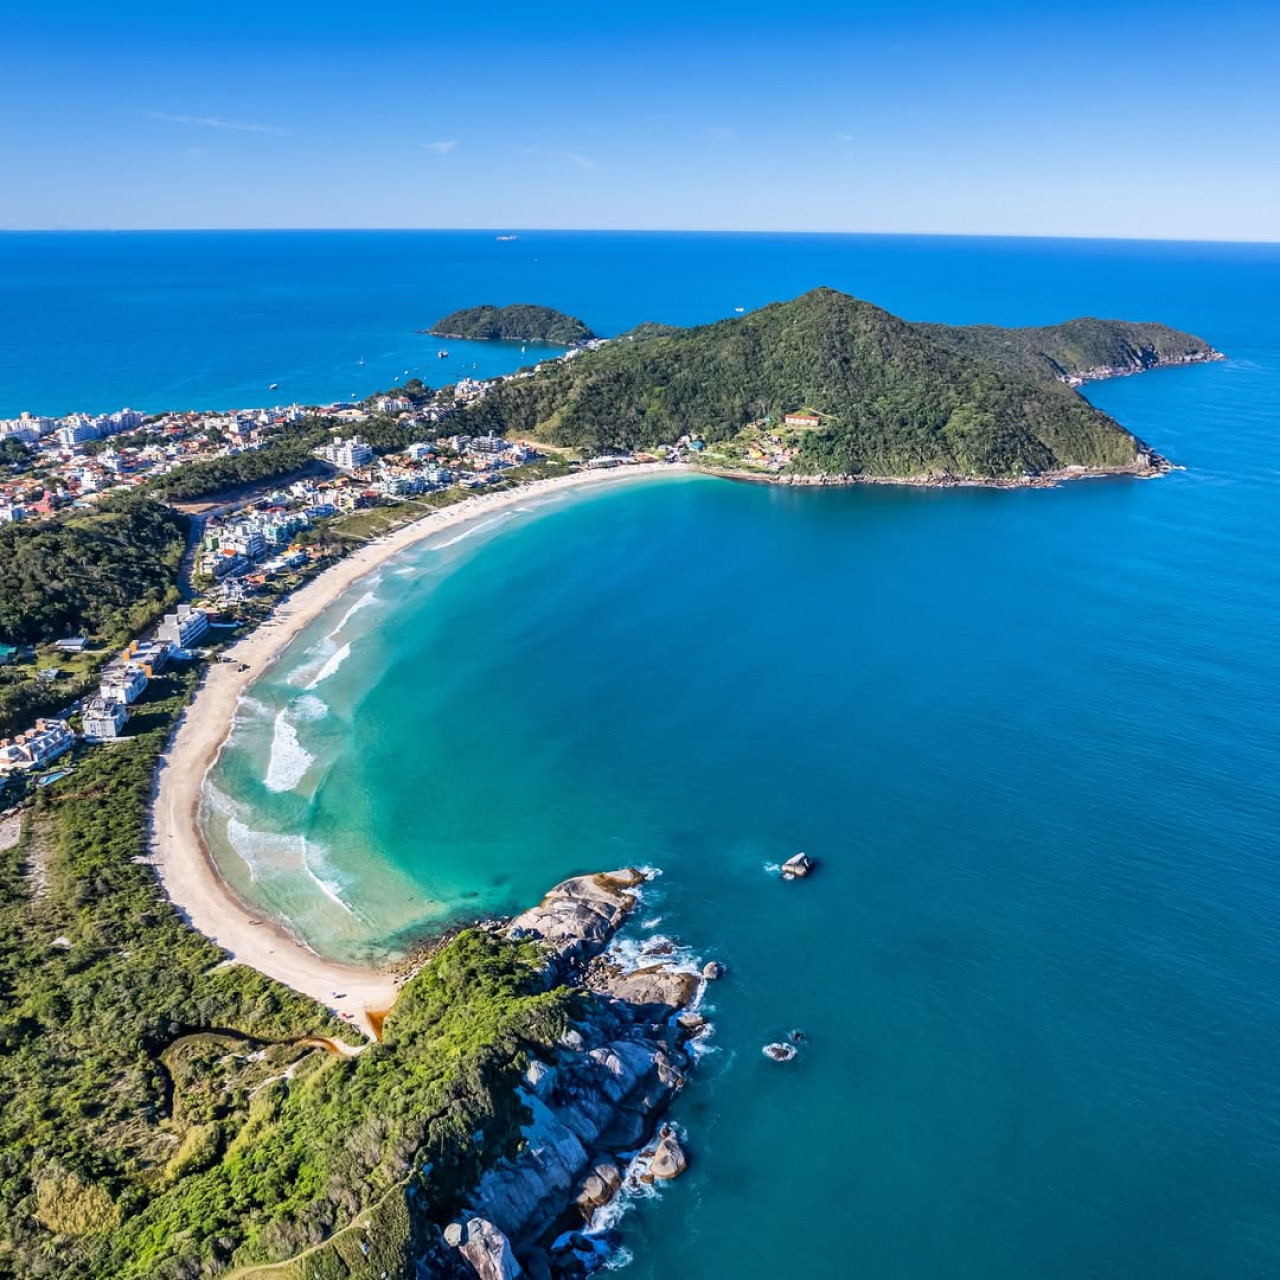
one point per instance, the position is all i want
(121, 683)
(75, 463)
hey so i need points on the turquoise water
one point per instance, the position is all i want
(1030, 736)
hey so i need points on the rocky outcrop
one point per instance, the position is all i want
(597, 1099)
(579, 916)
(669, 1160)
(797, 867)
(485, 1250)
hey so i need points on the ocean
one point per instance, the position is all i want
(1031, 738)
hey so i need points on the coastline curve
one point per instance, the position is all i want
(179, 852)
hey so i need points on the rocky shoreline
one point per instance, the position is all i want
(595, 1103)
(1150, 464)
(1102, 372)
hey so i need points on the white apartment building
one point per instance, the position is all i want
(346, 454)
(36, 747)
(103, 720)
(123, 684)
(183, 628)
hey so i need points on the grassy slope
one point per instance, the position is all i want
(898, 401)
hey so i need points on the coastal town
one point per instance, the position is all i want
(248, 549)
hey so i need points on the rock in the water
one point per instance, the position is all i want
(797, 867)
(453, 1234)
(486, 1250)
(693, 1022)
(712, 970)
(669, 1161)
(599, 1187)
(780, 1052)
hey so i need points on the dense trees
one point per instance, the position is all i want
(1076, 347)
(110, 571)
(520, 322)
(896, 398)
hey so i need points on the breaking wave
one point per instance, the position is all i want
(369, 597)
(331, 665)
(475, 528)
(277, 853)
(289, 760)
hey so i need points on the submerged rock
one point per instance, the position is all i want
(797, 867)
(779, 1052)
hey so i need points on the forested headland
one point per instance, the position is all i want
(895, 399)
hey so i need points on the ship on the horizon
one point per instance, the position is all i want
(506, 237)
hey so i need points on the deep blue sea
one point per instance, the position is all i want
(1033, 738)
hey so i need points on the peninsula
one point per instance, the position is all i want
(828, 386)
(520, 322)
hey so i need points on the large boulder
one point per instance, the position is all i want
(797, 867)
(486, 1250)
(579, 916)
(669, 1160)
(655, 988)
(599, 1187)
(712, 970)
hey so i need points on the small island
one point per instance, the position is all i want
(520, 322)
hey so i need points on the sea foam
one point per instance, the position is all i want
(276, 853)
(369, 597)
(331, 665)
(289, 760)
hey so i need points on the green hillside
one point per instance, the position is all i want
(896, 399)
(1078, 348)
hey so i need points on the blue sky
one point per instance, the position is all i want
(1074, 119)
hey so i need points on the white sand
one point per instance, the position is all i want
(181, 857)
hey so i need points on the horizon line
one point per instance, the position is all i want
(692, 231)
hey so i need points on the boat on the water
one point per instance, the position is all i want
(444, 355)
(274, 386)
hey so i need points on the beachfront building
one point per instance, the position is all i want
(36, 747)
(123, 683)
(151, 655)
(184, 628)
(346, 454)
(104, 720)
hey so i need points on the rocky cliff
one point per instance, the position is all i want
(594, 1103)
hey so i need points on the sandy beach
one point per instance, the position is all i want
(182, 860)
